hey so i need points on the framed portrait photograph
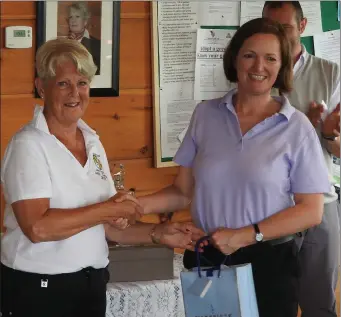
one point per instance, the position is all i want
(95, 24)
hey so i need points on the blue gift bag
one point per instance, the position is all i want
(219, 291)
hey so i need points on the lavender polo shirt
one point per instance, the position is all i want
(241, 180)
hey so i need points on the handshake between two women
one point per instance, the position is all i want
(123, 226)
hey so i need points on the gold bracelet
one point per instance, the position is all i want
(152, 235)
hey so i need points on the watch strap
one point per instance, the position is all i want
(259, 236)
(329, 137)
(256, 228)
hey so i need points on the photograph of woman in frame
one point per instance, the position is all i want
(81, 21)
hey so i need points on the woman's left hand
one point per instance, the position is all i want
(225, 240)
(179, 235)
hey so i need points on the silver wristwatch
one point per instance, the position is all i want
(259, 236)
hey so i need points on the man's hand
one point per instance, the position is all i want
(179, 235)
(314, 113)
(331, 124)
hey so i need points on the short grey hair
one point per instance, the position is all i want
(54, 52)
(82, 7)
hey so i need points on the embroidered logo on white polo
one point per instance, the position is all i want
(99, 167)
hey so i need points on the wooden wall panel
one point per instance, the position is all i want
(135, 54)
(15, 113)
(17, 10)
(124, 124)
(135, 10)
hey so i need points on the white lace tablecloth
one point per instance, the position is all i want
(147, 299)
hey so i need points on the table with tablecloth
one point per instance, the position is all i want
(160, 298)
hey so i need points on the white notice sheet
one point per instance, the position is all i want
(221, 13)
(177, 25)
(327, 45)
(210, 81)
(250, 10)
(312, 11)
(177, 108)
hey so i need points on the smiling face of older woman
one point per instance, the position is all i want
(66, 95)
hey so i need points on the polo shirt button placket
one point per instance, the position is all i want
(240, 144)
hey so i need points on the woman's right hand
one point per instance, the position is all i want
(128, 209)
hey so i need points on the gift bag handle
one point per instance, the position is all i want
(197, 246)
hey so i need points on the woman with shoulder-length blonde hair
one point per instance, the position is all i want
(61, 200)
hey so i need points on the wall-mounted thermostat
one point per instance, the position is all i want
(18, 37)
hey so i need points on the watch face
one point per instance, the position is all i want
(259, 237)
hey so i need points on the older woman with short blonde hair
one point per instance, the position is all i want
(61, 200)
(55, 52)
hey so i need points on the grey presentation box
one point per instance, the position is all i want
(140, 263)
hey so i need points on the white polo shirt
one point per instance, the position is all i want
(37, 165)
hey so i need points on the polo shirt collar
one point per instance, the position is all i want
(287, 109)
(304, 54)
(39, 122)
(302, 59)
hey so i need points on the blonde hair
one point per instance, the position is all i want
(53, 52)
(82, 7)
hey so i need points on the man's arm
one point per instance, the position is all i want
(331, 128)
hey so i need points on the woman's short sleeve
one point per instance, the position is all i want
(25, 172)
(308, 172)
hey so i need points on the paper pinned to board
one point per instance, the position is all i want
(219, 13)
(250, 10)
(327, 45)
(312, 11)
(210, 80)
